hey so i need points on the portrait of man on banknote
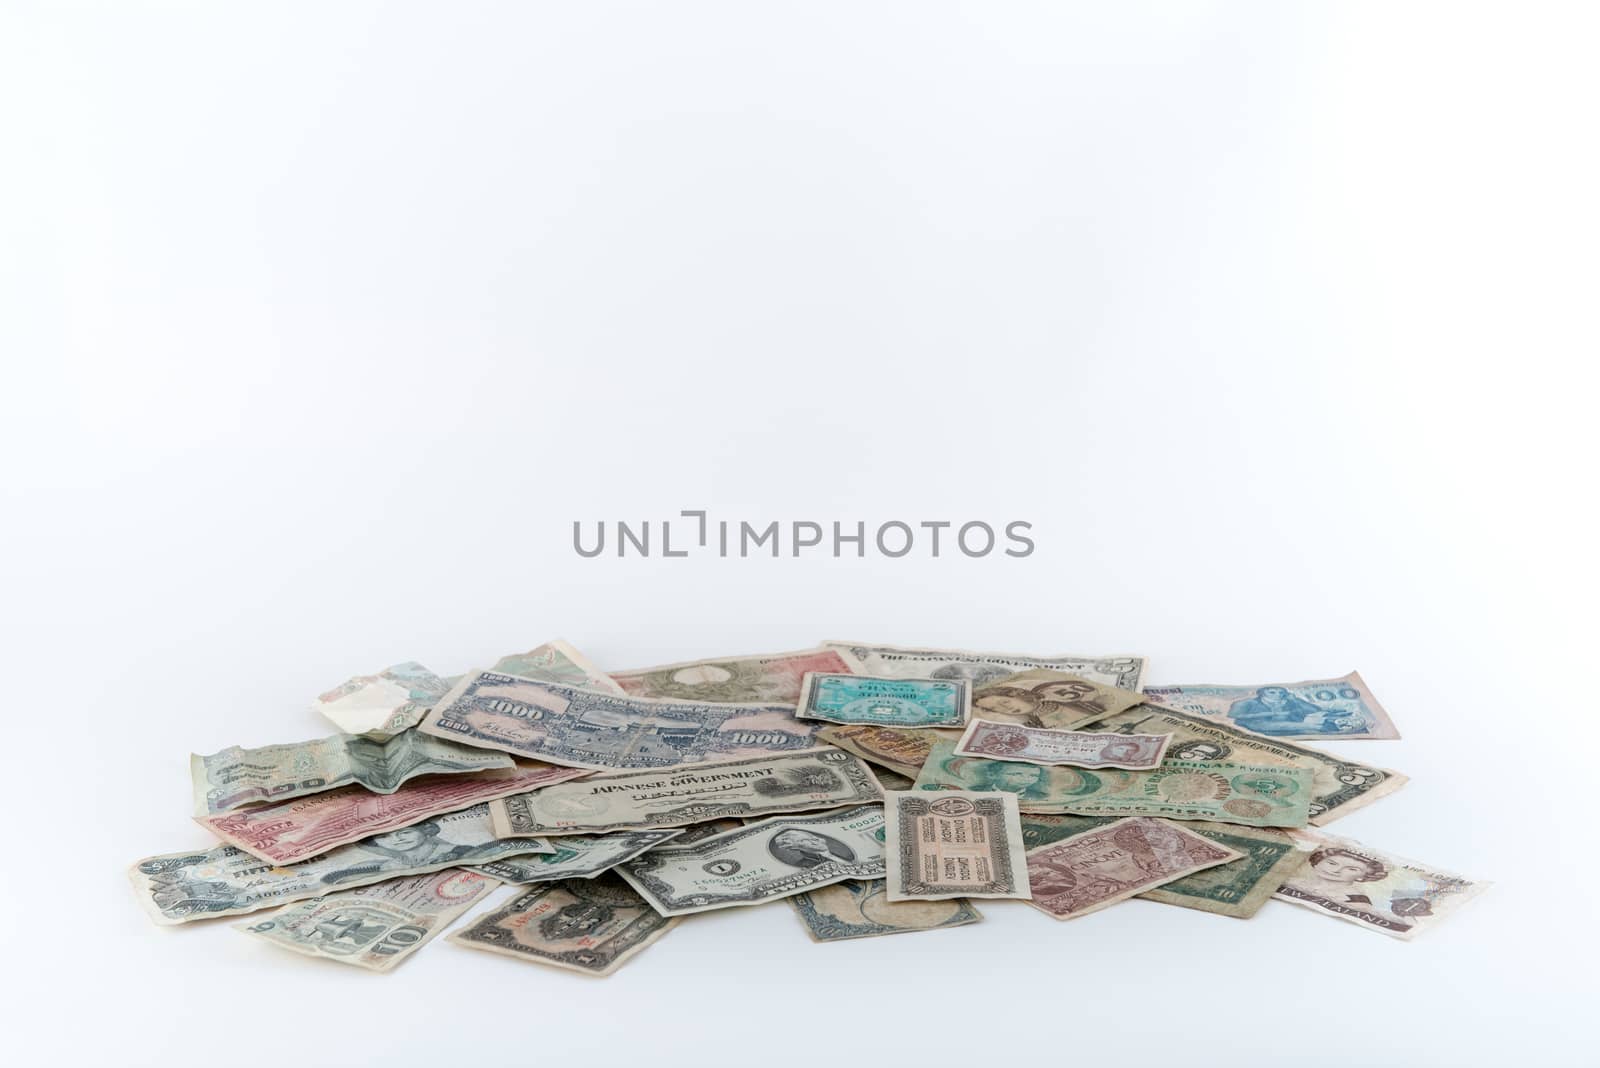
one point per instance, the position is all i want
(1030, 782)
(807, 849)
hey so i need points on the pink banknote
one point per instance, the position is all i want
(302, 827)
(1082, 749)
(1092, 870)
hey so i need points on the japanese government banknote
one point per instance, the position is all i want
(759, 786)
(586, 729)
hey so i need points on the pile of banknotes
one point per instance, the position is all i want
(873, 789)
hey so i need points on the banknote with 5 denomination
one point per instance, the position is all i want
(225, 880)
(897, 661)
(374, 927)
(576, 856)
(884, 702)
(586, 729)
(761, 862)
(1082, 749)
(1338, 785)
(1322, 708)
(1221, 791)
(953, 844)
(635, 800)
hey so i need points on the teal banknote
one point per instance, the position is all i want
(879, 702)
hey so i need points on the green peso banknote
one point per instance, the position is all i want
(1249, 794)
(1238, 888)
(1339, 786)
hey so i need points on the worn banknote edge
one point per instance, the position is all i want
(701, 661)
(459, 938)
(859, 667)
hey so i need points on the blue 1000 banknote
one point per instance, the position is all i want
(879, 702)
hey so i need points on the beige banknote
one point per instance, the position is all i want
(953, 844)
(235, 777)
(384, 704)
(1080, 749)
(1339, 786)
(867, 659)
(374, 927)
(1238, 888)
(900, 750)
(593, 926)
(1113, 863)
(770, 678)
(862, 909)
(676, 797)
(1376, 890)
(1056, 700)
(761, 861)
(1257, 795)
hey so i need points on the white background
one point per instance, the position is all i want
(323, 322)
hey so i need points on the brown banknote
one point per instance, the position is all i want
(900, 749)
(293, 830)
(1238, 888)
(764, 679)
(1100, 868)
(1052, 699)
(587, 925)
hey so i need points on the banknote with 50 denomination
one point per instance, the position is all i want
(746, 789)
(761, 862)
(1053, 700)
(585, 729)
